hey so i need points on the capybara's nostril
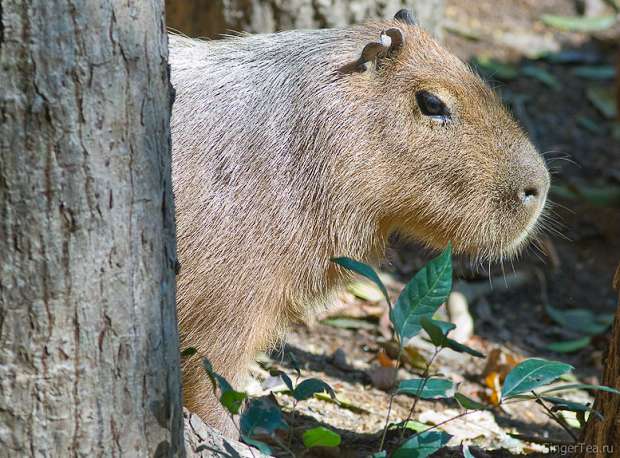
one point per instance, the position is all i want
(530, 192)
(533, 194)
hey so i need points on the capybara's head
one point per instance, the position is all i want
(461, 168)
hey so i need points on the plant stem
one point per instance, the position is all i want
(284, 447)
(290, 433)
(430, 428)
(552, 414)
(441, 423)
(419, 391)
(389, 410)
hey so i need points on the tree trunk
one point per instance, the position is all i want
(601, 438)
(89, 361)
(210, 18)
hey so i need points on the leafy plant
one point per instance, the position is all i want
(535, 373)
(531, 374)
(582, 322)
(412, 312)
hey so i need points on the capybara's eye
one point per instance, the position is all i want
(431, 105)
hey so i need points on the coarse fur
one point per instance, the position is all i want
(281, 161)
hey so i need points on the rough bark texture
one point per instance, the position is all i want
(201, 440)
(89, 362)
(602, 437)
(210, 18)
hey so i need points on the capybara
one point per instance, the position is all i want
(291, 148)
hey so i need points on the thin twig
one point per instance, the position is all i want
(419, 391)
(441, 423)
(392, 394)
(290, 434)
(284, 447)
(552, 414)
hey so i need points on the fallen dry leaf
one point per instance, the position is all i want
(384, 360)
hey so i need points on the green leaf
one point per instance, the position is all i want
(348, 323)
(436, 333)
(432, 388)
(381, 454)
(210, 373)
(310, 387)
(460, 348)
(321, 437)
(570, 406)
(229, 398)
(570, 346)
(261, 446)
(595, 72)
(541, 75)
(580, 320)
(492, 68)
(468, 403)
(233, 400)
(189, 351)
(262, 416)
(285, 378)
(581, 386)
(422, 296)
(579, 23)
(603, 99)
(445, 326)
(344, 404)
(531, 374)
(365, 271)
(422, 445)
(365, 290)
(466, 452)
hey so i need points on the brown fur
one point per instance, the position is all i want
(281, 162)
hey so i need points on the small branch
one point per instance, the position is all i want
(419, 391)
(392, 394)
(559, 420)
(290, 434)
(441, 423)
(284, 447)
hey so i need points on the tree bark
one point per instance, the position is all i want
(89, 360)
(211, 18)
(601, 438)
(204, 441)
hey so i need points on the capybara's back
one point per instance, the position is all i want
(292, 148)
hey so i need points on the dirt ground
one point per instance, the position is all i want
(574, 268)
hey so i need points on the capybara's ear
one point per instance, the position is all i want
(405, 16)
(390, 42)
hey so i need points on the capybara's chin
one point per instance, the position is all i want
(291, 148)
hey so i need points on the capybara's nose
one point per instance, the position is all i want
(533, 193)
